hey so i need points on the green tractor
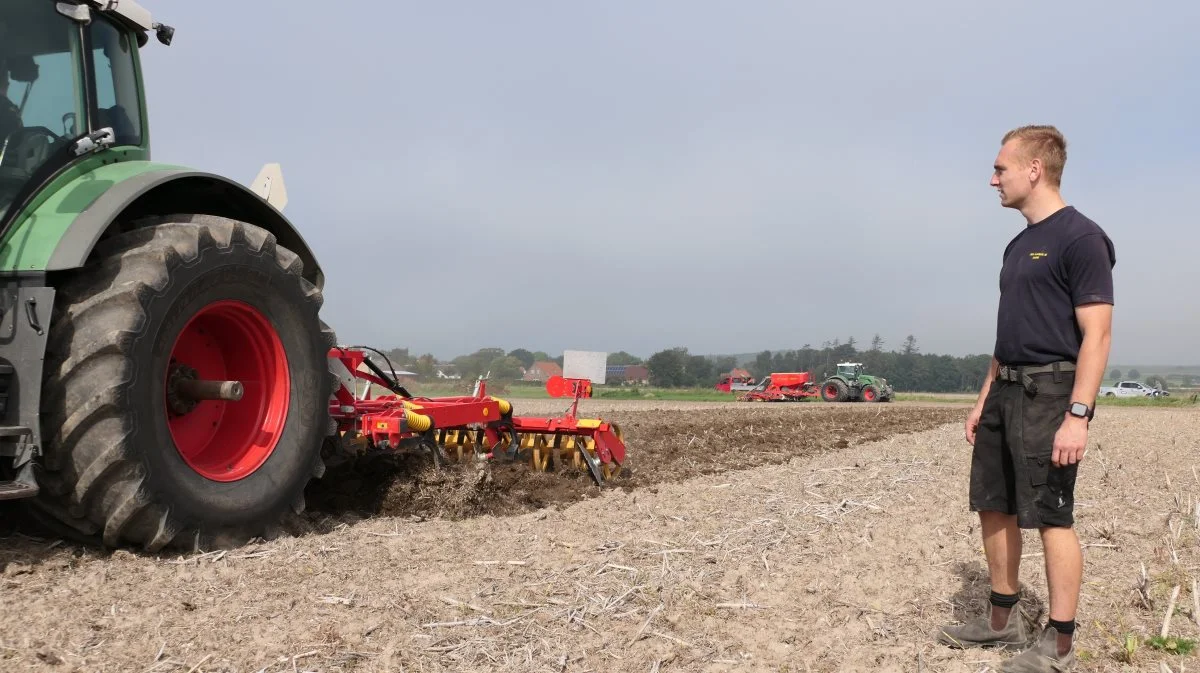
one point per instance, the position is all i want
(851, 384)
(164, 379)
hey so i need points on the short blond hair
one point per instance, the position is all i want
(1042, 142)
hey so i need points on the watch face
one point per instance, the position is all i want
(1079, 409)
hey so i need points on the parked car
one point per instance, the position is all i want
(1131, 389)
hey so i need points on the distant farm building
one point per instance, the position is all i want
(542, 370)
(616, 375)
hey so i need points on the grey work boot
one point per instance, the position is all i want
(1042, 657)
(978, 632)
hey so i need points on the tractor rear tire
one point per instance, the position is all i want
(125, 463)
(834, 390)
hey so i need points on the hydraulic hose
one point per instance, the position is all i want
(417, 422)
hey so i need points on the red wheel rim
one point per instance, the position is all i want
(869, 395)
(226, 440)
(831, 391)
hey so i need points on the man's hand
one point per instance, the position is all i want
(1070, 441)
(977, 410)
(973, 423)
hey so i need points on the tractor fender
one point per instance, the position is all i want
(175, 190)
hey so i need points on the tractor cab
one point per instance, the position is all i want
(850, 370)
(70, 85)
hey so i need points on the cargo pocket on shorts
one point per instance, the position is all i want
(1061, 482)
(1036, 467)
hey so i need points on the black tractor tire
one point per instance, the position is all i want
(112, 470)
(869, 393)
(834, 390)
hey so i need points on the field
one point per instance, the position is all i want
(530, 391)
(806, 537)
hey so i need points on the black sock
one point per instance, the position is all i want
(1004, 600)
(1066, 628)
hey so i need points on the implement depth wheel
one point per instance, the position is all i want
(187, 388)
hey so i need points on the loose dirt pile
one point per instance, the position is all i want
(812, 558)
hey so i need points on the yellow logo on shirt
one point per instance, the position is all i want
(1037, 255)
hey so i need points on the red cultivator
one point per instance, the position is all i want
(477, 425)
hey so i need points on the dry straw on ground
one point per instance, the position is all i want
(799, 538)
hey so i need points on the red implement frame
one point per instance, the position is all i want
(782, 387)
(603, 448)
(389, 421)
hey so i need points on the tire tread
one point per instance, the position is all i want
(98, 484)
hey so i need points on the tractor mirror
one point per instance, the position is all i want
(80, 13)
(164, 33)
(22, 68)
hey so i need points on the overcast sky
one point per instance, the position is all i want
(538, 174)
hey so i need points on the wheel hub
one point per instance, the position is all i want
(179, 403)
(227, 390)
(185, 389)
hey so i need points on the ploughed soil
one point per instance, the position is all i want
(665, 445)
(807, 537)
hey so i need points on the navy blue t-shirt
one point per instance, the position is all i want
(1048, 269)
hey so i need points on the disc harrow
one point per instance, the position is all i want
(470, 427)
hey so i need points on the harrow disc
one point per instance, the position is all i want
(460, 443)
(547, 451)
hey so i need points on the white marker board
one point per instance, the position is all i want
(591, 365)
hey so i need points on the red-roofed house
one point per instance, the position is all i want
(540, 371)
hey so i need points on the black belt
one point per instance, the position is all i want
(1024, 374)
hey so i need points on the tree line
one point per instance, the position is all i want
(905, 369)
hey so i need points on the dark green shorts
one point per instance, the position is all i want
(1011, 471)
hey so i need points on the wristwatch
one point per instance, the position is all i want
(1081, 410)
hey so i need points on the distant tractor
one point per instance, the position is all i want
(782, 387)
(851, 384)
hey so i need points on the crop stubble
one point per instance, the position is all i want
(747, 538)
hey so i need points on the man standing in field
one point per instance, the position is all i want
(1029, 426)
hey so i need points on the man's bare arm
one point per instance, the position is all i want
(993, 369)
(972, 425)
(1095, 321)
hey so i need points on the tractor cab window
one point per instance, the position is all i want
(41, 95)
(117, 99)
